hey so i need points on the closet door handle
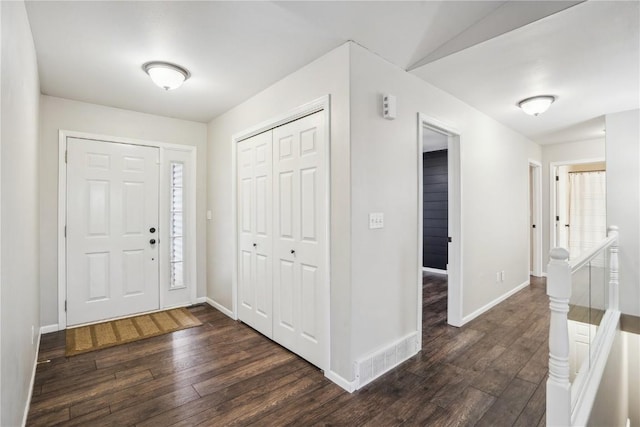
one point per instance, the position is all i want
(293, 251)
(255, 244)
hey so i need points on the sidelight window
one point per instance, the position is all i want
(176, 225)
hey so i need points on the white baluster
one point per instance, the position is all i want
(613, 269)
(558, 385)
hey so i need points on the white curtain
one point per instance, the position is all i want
(587, 211)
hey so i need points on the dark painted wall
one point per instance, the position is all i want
(435, 212)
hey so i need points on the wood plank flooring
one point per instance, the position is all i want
(491, 372)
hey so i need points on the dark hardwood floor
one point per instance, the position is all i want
(491, 372)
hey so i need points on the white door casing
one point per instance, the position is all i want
(255, 242)
(112, 202)
(536, 216)
(454, 188)
(299, 189)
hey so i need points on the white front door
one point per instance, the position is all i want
(254, 236)
(300, 206)
(112, 223)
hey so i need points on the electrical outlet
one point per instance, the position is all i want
(498, 277)
(33, 333)
(502, 276)
(376, 220)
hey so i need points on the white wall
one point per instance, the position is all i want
(623, 200)
(567, 152)
(0, 214)
(384, 173)
(326, 75)
(617, 397)
(19, 217)
(633, 375)
(58, 113)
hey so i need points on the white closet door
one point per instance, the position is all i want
(112, 205)
(255, 276)
(299, 175)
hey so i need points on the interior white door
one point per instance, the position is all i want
(255, 242)
(112, 206)
(299, 174)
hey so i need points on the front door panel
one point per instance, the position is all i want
(112, 202)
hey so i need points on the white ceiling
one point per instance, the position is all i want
(94, 51)
(490, 54)
(588, 56)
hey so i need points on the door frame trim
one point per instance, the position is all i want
(553, 167)
(191, 248)
(320, 104)
(537, 217)
(454, 267)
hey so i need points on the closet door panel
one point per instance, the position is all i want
(286, 202)
(254, 210)
(263, 236)
(245, 163)
(262, 287)
(300, 238)
(309, 289)
(246, 282)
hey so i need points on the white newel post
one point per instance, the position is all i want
(613, 269)
(558, 386)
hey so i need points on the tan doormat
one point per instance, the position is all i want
(116, 332)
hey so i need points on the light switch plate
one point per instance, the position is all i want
(376, 220)
(389, 110)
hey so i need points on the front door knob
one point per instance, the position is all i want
(152, 241)
(152, 230)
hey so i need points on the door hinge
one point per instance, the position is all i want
(557, 178)
(65, 231)
(65, 156)
(557, 218)
(65, 305)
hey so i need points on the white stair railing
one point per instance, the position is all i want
(569, 404)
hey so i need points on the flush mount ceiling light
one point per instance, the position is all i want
(166, 75)
(536, 104)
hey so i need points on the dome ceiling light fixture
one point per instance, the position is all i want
(536, 104)
(165, 74)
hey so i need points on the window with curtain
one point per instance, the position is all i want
(587, 211)
(176, 226)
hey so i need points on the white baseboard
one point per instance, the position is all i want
(349, 386)
(383, 360)
(47, 329)
(478, 312)
(201, 300)
(32, 382)
(434, 270)
(220, 307)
